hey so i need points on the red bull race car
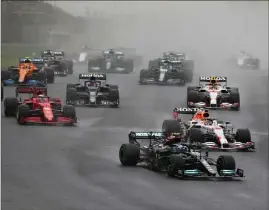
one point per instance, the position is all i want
(211, 133)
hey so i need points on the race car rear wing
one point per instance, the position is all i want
(145, 135)
(58, 53)
(33, 60)
(186, 110)
(29, 89)
(210, 78)
(97, 76)
(134, 136)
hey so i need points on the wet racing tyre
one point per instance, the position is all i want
(50, 75)
(5, 75)
(129, 154)
(225, 162)
(176, 165)
(192, 96)
(10, 107)
(69, 111)
(22, 113)
(171, 126)
(243, 135)
(41, 76)
(70, 66)
(235, 98)
(196, 135)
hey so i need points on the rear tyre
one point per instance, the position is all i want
(192, 96)
(171, 126)
(235, 98)
(50, 75)
(70, 66)
(71, 94)
(5, 75)
(42, 77)
(129, 154)
(196, 136)
(10, 107)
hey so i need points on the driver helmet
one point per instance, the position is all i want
(41, 97)
(27, 60)
(111, 51)
(208, 122)
(214, 123)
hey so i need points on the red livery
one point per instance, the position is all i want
(39, 109)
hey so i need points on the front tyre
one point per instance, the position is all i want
(129, 154)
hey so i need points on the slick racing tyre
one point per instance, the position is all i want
(243, 135)
(129, 154)
(176, 165)
(23, 112)
(71, 94)
(50, 75)
(10, 107)
(225, 162)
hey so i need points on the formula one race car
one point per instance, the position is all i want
(172, 69)
(56, 62)
(174, 56)
(178, 60)
(213, 95)
(174, 158)
(60, 56)
(92, 91)
(39, 109)
(168, 73)
(211, 133)
(111, 62)
(29, 71)
(246, 61)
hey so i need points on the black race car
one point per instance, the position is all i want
(92, 91)
(55, 62)
(166, 72)
(59, 67)
(175, 159)
(246, 61)
(111, 62)
(60, 55)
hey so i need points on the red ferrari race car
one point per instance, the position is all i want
(38, 109)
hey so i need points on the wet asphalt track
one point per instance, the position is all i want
(63, 168)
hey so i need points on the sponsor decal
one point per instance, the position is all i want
(213, 78)
(145, 134)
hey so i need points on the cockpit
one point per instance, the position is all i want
(42, 98)
(92, 83)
